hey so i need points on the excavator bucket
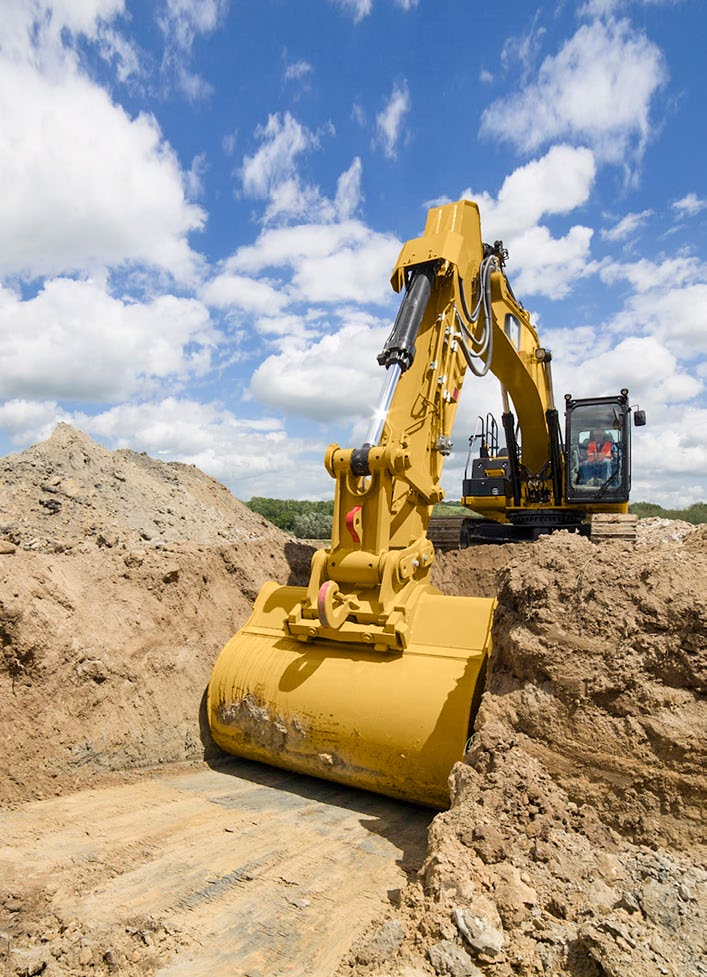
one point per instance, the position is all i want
(393, 723)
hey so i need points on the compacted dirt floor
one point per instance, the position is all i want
(231, 870)
(574, 844)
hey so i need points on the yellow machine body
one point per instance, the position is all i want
(369, 676)
(391, 723)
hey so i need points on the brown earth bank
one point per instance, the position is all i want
(114, 602)
(575, 840)
(573, 844)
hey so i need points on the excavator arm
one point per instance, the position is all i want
(386, 489)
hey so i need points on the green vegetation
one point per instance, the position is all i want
(312, 520)
(306, 520)
(450, 509)
(697, 513)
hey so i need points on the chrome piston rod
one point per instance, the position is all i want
(393, 374)
(399, 350)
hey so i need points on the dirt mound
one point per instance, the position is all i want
(575, 842)
(656, 529)
(113, 607)
(106, 653)
(474, 571)
(69, 489)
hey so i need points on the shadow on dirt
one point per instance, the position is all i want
(299, 556)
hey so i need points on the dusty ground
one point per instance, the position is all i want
(239, 869)
(573, 845)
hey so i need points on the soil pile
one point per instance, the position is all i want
(121, 578)
(70, 489)
(575, 841)
(650, 532)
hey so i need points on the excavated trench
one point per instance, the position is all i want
(574, 844)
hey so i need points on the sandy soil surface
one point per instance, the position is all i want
(236, 870)
(574, 843)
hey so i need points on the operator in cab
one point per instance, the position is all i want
(600, 452)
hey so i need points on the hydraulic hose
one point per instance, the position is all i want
(481, 347)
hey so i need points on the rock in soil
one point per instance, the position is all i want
(576, 830)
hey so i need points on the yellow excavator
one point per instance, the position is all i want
(370, 676)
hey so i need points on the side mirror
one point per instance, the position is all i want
(639, 418)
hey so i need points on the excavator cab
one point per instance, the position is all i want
(582, 483)
(598, 449)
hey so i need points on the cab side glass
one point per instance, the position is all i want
(597, 452)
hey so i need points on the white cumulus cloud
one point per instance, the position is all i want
(334, 377)
(390, 120)
(272, 174)
(76, 342)
(327, 263)
(627, 226)
(240, 292)
(181, 22)
(546, 265)
(35, 30)
(690, 205)
(596, 90)
(358, 8)
(282, 140)
(644, 275)
(674, 315)
(556, 183)
(91, 185)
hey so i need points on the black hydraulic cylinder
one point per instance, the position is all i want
(553, 426)
(509, 428)
(400, 344)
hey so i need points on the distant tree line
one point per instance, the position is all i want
(312, 520)
(695, 514)
(306, 520)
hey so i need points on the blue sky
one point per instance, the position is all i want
(203, 201)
